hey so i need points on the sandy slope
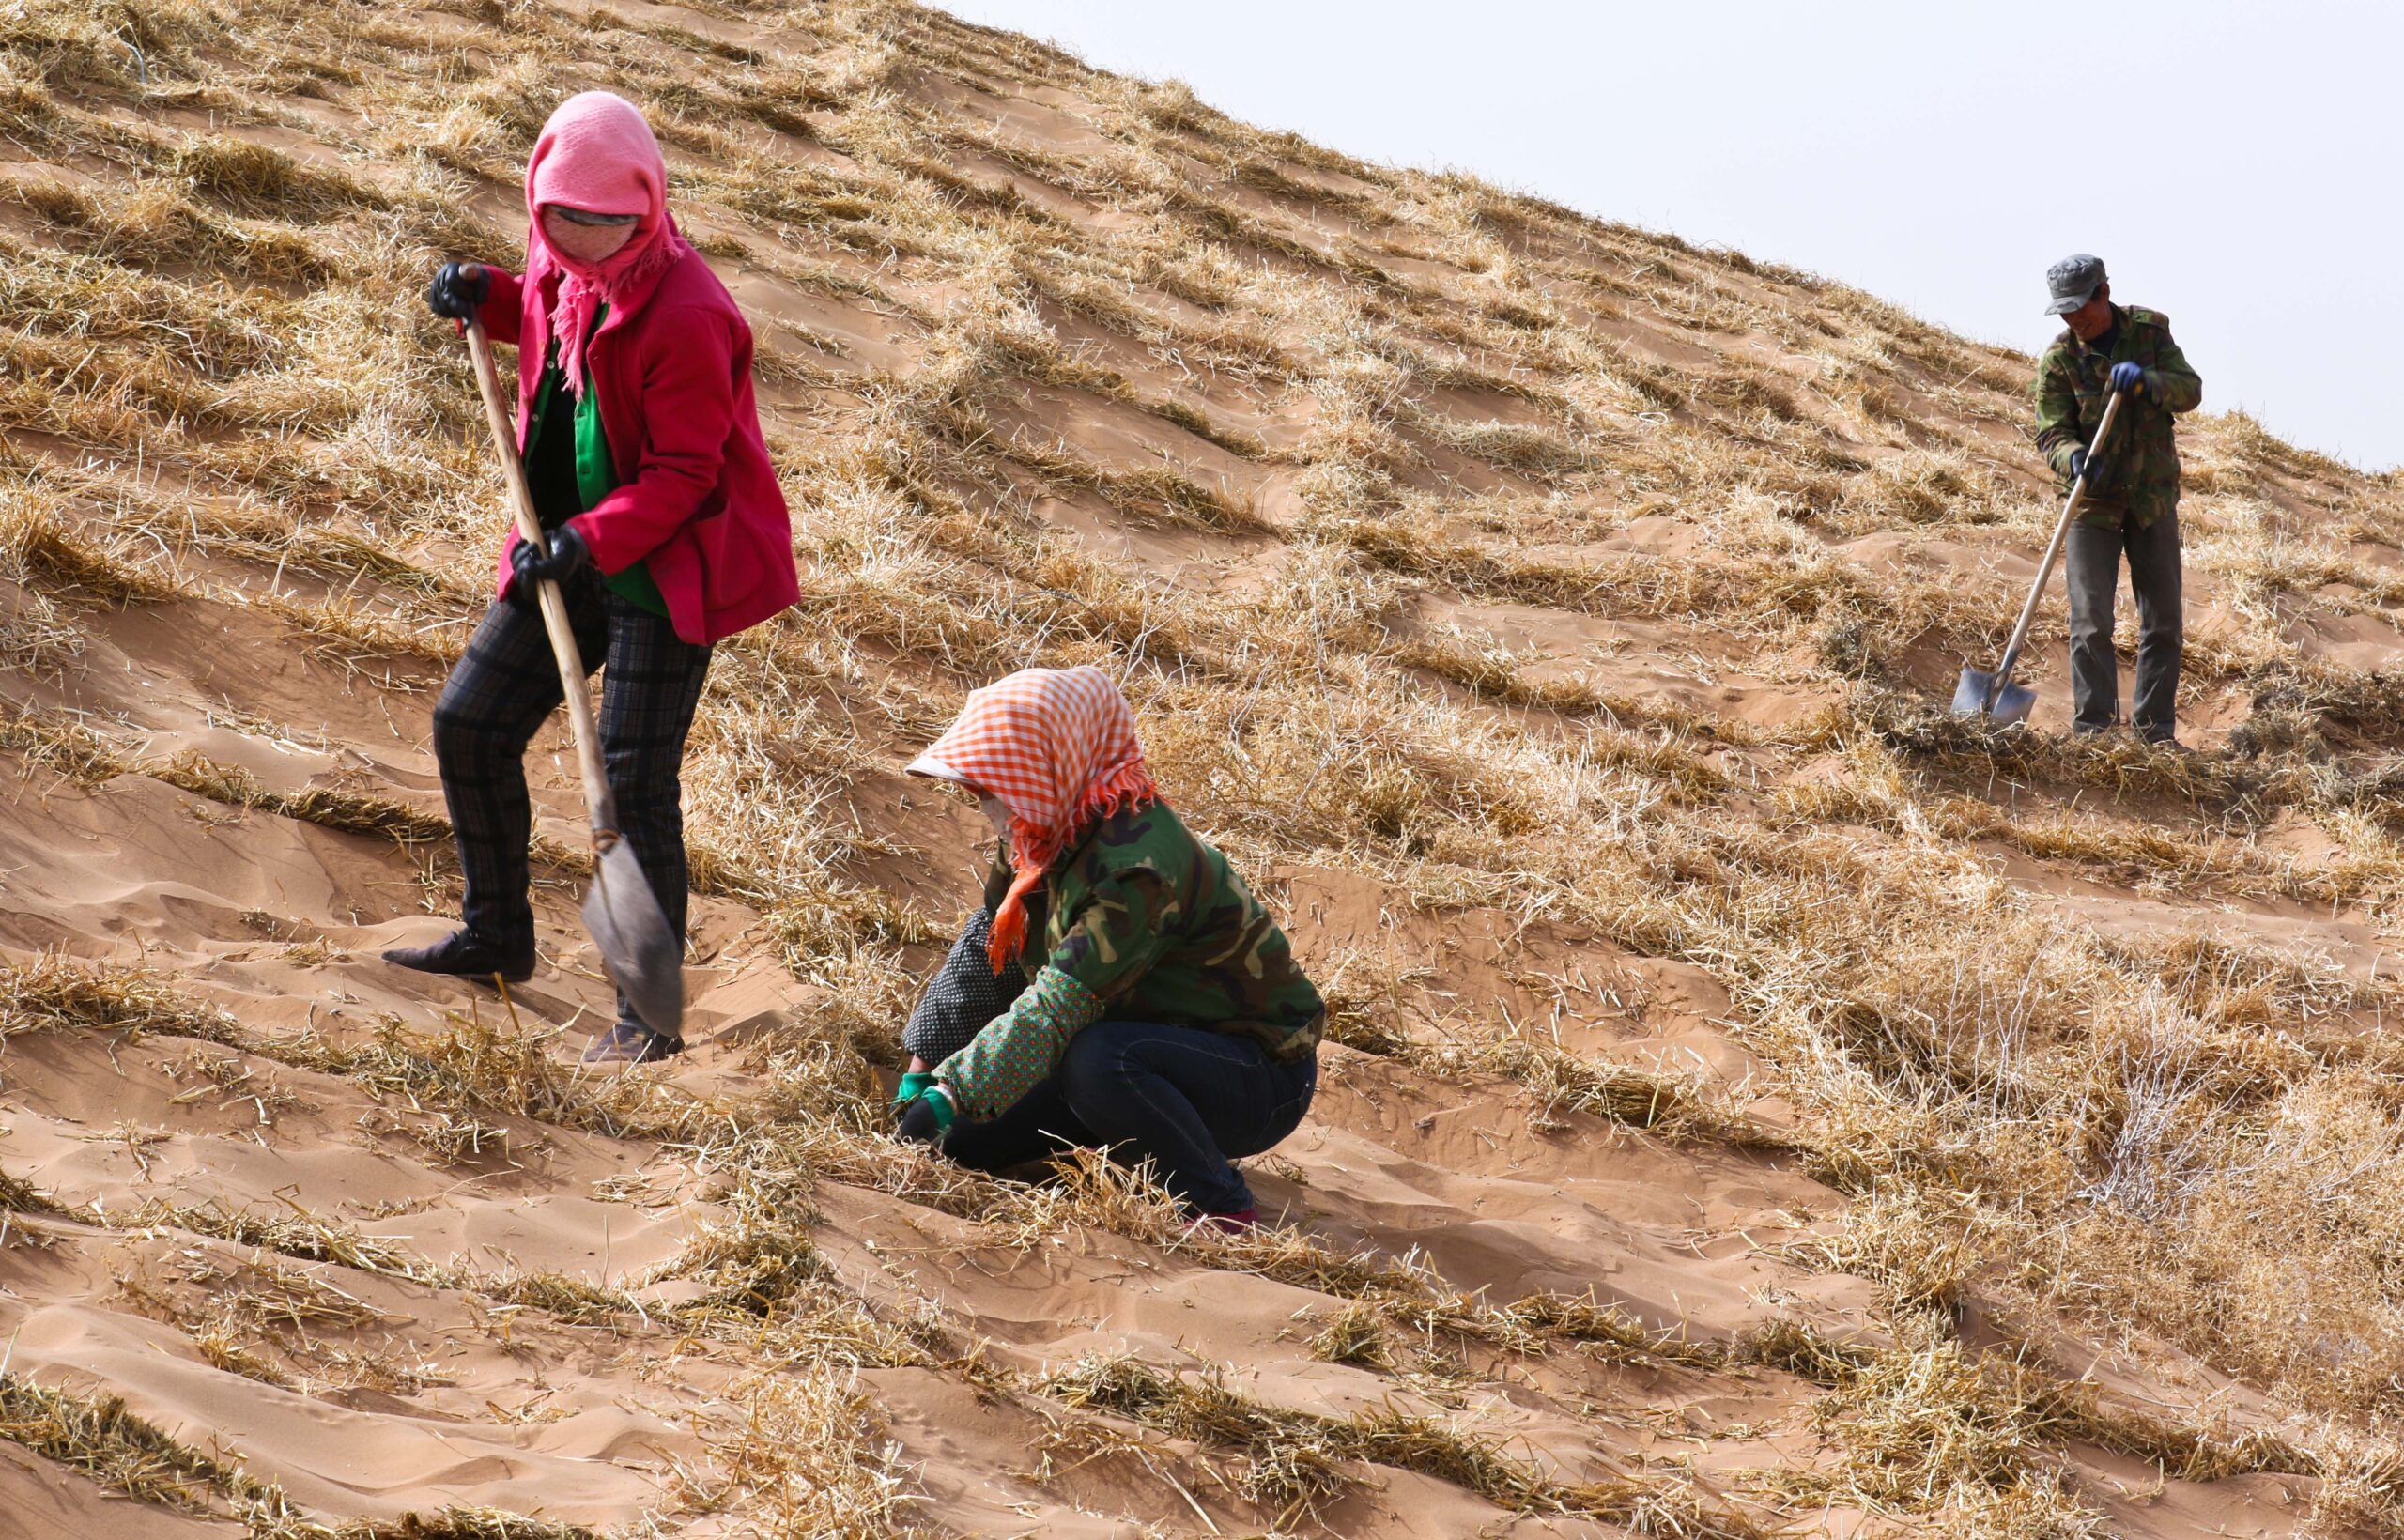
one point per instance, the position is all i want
(363, 1237)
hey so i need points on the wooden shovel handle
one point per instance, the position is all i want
(2053, 551)
(597, 800)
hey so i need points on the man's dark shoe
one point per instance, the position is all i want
(464, 954)
(631, 1042)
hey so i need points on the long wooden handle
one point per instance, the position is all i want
(597, 800)
(2054, 550)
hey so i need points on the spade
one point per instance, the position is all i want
(1994, 695)
(644, 955)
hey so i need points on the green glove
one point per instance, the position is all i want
(911, 1086)
(928, 1118)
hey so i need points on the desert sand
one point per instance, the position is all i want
(1757, 1105)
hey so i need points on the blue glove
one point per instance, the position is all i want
(2129, 377)
(926, 1118)
(459, 290)
(2077, 464)
(567, 557)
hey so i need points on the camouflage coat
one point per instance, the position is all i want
(2139, 471)
(1143, 922)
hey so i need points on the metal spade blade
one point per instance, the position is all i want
(642, 954)
(2012, 702)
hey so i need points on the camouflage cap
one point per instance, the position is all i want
(2074, 281)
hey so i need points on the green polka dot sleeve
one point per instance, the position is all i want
(1019, 1047)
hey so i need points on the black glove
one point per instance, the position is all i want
(459, 290)
(2077, 464)
(568, 556)
(926, 1119)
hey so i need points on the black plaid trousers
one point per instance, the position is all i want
(503, 687)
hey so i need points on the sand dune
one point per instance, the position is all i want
(1757, 1105)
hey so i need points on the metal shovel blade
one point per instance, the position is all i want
(643, 956)
(2012, 703)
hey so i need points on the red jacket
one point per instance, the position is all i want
(697, 498)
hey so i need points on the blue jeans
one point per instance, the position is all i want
(1184, 1098)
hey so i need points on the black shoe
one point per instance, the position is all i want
(464, 954)
(631, 1042)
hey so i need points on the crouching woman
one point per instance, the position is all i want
(1165, 1019)
(665, 529)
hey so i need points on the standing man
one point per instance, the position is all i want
(2131, 503)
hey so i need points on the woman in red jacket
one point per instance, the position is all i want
(666, 531)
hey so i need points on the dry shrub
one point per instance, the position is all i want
(53, 992)
(40, 548)
(1936, 1431)
(1295, 1460)
(1921, 488)
(121, 1451)
(804, 1456)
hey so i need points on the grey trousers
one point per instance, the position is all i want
(2093, 573)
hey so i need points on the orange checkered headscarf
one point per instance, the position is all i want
(1058, 747)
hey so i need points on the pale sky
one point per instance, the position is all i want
(2233, 163)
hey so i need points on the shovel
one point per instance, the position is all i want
(644, 955)
(1994, 695)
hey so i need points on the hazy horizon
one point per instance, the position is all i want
(1939, 160)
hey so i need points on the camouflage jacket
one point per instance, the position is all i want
(1143, 922)
(2139, 471)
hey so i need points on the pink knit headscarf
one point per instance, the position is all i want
(597, 154)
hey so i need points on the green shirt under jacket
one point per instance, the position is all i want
(569, 472)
